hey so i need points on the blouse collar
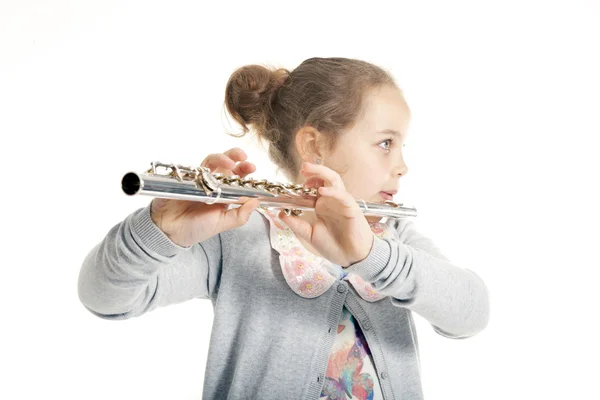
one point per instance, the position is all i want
(307, 274)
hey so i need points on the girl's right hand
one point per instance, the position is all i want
(188, 222)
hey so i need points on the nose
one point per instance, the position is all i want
(401, 168)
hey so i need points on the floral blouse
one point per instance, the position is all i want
(350, 372)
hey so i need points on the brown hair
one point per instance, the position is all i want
(325, 93)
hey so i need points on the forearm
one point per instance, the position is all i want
(119, 275)
(454, 300)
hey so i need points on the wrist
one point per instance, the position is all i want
(362, 255)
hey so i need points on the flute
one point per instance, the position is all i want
(200, 184)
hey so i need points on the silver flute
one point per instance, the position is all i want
(174, 181)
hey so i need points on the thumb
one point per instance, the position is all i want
(301, 228)
(239, 216)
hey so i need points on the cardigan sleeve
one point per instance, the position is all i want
(415, 274)
(137, 268)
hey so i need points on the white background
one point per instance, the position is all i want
(501, 152)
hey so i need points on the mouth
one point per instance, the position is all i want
(386, 195)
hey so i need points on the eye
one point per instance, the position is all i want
(390, 143)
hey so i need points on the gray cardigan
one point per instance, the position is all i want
(268, 342)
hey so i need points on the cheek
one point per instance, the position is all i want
(364, 183)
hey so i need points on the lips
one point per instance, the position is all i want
(386, 195)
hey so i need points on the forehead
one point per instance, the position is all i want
(384, 109)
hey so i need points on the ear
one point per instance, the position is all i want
(310, 144)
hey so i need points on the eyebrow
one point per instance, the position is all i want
(390, 132)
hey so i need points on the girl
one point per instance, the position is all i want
(311, 307)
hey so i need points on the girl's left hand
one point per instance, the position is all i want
(341, 232)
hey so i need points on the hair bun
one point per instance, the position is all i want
(249, 92)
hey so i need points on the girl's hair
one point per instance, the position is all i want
(325, 93)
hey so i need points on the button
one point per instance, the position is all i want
(384, 375)
(367, 325)
(341, 288)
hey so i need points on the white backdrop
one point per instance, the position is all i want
(501, 152)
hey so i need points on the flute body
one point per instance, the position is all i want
(200, 184)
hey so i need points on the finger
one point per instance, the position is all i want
(226, 161)
(345, 201)
(239, 216)
(300, 227)
(330, 177)
(218, 160)
(314, 182)
(236, 154)
(244, 168)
